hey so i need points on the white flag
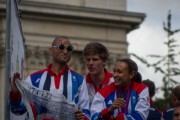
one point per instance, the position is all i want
(16, 42)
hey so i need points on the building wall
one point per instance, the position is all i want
(83, 21)
(103, 4)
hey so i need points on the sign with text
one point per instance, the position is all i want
(48, 106)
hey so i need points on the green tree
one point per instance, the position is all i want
(167, 64)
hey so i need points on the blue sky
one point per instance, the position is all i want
(149, 38)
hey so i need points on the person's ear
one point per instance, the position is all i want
(132, 74)
(105, 62)
(50, 51)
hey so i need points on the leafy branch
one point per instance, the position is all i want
(168, 65)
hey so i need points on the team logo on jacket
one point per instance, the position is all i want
(37, 80)
(74, 78)
(110, 102)
(133, 99)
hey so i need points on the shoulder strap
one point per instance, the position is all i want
(65, 82)
(46, 86)
(47, 82)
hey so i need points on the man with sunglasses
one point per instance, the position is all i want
(96, 57)
(56, 78)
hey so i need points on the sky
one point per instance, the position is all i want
(149, 38)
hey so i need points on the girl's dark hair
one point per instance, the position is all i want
(150, 84)
(138, 77)
(132, 67)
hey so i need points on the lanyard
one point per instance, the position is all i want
(118, 93)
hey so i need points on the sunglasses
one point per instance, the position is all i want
(61, 47)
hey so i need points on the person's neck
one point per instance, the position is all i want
(128, 84)
(57, 68)
(98, 78)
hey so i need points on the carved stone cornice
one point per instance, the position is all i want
(86, 15)
(39, 58)
(36, 56)
(77, 62)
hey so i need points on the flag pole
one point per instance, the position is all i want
(8, 61)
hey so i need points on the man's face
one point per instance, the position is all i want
(61, 55)
(94, 64)
(177, 113)
(121, 74)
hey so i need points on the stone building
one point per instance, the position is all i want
(83, 21)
